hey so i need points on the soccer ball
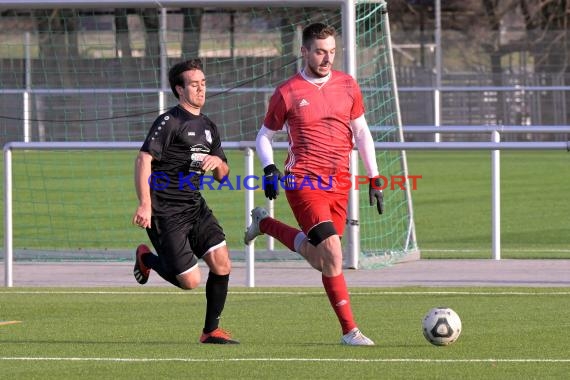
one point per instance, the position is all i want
(441, 326)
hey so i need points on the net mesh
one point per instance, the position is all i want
(100, 75)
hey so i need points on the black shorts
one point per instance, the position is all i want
(181, 239)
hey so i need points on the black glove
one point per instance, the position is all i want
(375, 195)
(271, 181)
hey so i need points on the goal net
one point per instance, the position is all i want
(93, 74)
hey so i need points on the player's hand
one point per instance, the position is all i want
(271, 178)
(142, 216)
(375, 194)
(210, 162)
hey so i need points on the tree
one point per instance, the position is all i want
(192, 25)
(495, 33)
(151, 24)
(122, 40)
(57, 40)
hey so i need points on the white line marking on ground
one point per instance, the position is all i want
(348, 360)
(271, 292)
(502, 249)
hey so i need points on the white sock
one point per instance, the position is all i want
(299, 239)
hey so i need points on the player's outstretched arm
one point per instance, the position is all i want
(365, 144)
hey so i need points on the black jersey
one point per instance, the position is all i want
(178, 142)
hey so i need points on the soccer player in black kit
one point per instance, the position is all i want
(182, 145)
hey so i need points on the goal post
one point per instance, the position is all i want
(94, 72)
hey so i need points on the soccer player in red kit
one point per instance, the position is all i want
(322, 111)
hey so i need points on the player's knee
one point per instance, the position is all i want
(223, 269)
(188, 284)
(219, 262)
(189, 280)
(331, 252)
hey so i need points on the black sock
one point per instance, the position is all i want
(153, 261)
(216, 292)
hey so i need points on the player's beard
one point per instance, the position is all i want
(320, 70)
(197, 102)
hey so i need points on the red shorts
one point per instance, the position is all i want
(312, 207)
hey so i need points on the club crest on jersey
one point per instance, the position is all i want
(208, 135)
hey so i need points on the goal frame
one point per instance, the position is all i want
(348, 24)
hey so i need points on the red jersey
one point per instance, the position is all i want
(317, 119)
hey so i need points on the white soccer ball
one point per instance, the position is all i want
(441, 326)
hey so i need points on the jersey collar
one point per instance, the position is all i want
(316, 81)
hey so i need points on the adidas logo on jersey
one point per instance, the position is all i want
(303, 103)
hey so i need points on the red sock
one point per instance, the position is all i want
(340, 301)
(280, 231)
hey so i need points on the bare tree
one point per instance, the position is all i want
(551, 19)
(122, 38)
(57, 28)
(494, 30)
(151, 23)
(192, 25)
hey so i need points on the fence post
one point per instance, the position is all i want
(353, 227)
(249, 205)
(8, 243)
(496, 197)
(271, 210)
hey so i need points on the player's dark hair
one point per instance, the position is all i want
(317, 31)
(175, 73)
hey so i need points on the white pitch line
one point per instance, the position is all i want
(357, 293)
(347, 360)
(462, 293)
(526, 250)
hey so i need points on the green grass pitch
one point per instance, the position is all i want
(285, 333)
(290, 333)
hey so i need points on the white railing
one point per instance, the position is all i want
(247, 146)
